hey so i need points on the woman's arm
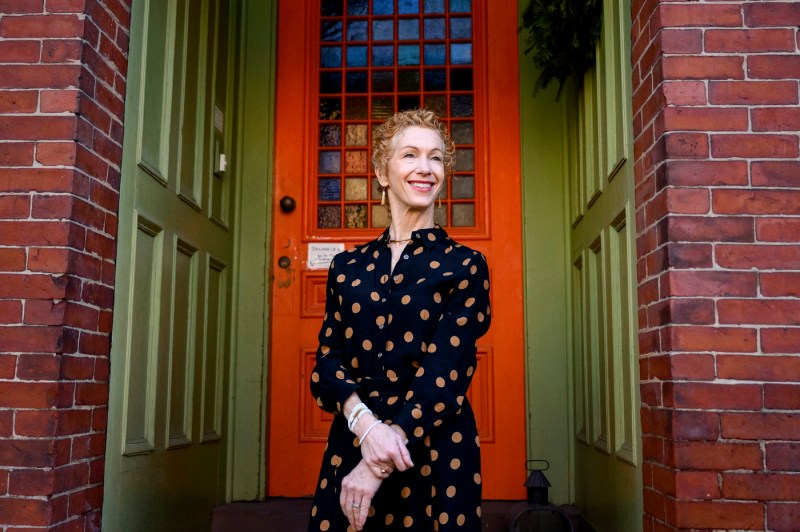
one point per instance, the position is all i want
(441, 382)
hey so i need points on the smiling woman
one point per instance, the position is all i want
(397, 352)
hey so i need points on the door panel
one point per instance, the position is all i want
(165, 456)
(343, 67)
(605, 379)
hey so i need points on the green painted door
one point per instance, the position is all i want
(605, 370)
(166, 454)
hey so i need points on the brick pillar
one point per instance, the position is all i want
(715, 95)
(62, 82)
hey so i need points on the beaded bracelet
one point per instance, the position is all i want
(355, 414)
(366, 432)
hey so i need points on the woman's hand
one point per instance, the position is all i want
(384, 450)
(358, 489)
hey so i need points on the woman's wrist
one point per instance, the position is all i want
(363, 424)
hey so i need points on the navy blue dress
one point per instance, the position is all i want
(405, 341)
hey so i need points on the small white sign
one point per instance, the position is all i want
(321, 255)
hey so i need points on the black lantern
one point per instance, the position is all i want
(540, 515)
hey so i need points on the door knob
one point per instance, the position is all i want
(284, 262)
(288, 204)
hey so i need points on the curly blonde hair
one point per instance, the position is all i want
(383, 136)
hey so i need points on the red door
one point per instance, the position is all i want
(343, 67)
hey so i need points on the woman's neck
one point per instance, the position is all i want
(403, 226)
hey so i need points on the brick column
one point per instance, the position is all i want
(62, 84)
(715, 95)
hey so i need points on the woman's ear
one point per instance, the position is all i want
(382, 181)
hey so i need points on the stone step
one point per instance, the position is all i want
(291, 515)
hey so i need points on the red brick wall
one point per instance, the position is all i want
(62, 84)
(715, 95)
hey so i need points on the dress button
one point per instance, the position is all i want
(380, 326)
(405, 256)
(380, 355)
(416, 235)
(383, 300)
(395, 278)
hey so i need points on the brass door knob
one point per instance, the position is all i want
(284, 262)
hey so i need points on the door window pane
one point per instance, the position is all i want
(381, 56)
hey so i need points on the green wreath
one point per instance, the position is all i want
(562, 38)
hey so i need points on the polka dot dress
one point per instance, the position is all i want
(405, 341)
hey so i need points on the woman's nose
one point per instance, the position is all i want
(422, 165)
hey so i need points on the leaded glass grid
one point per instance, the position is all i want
(377, 57)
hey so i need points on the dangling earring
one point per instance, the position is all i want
(440, 201)
(383, 196)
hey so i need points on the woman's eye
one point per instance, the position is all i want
(408, 155)
(436, 158)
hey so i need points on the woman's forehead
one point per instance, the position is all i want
(418, 136)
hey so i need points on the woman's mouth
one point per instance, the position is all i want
(421, 186)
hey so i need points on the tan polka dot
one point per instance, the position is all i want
(453, 375)
(457, 437)
(340, 374)
(409, 394)
(463, 284)
(370, 267)
(431, 237)
(408, 522)
(440, 382)
(391, 375)
(480, 317)
(420, 372)
(422, 280)
(336, 460)
(437, 297)
(439, 407)
(405, 492)
(451, 491)
(341, 278)
(354, 362)
(432, 348)
(405, 300)
(434, 455)
(461, 519)
(367, 345)
(398, 278)
(337, 316)
(455, 341)
(470, 371)
(416, 413)
(418, 432)
(324, 350)
(424, 347)
(356, 282)
(325, 525)
(323, 483)
(315, 377)
(434, 264)
(389, 519)
(380, 321)
(469, 302)
(425, 470)
(424, 314)
(444, 518)
(389, 319)
(348, 333)
(486, 284)
(392, 400)
(477, 478)
(375, 296)
(473, 270)
(429, 510)
(389, 345)
(455, 463)
(478, 511)
(384, 278)
(375, 254)
(460, 399)
(356, 308)
(314, 510)
(371, 512)
(418, 251)
(478, 441)
(328, 332)
(408, 336)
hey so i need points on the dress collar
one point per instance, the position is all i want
(427, 237)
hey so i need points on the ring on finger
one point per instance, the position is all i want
(356, 505)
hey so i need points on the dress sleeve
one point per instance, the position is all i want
(440, 384)
(331, 382)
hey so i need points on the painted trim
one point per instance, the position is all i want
(247, 429)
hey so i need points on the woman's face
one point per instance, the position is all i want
(415, 170)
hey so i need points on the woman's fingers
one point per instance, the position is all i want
(384, 445)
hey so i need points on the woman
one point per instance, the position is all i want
(397, 353)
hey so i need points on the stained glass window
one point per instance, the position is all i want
(377, 57)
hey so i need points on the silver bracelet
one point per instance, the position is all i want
(366, 432)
